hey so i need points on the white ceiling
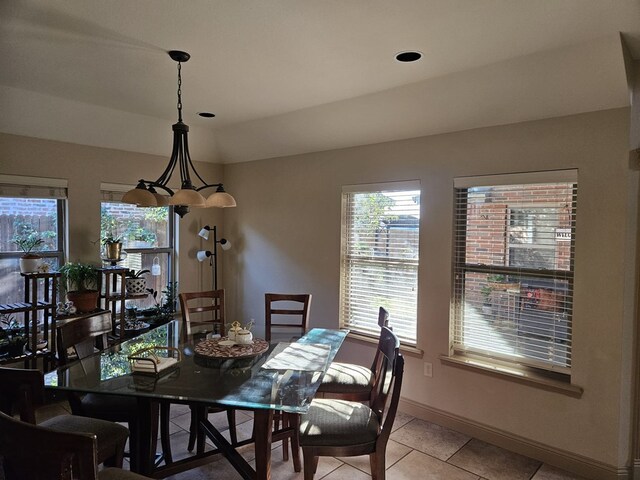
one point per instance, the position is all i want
(294, 76)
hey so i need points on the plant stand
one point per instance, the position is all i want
(112, 288)
(40, 293)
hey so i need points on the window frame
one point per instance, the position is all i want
(112, 193)
(37, 188)
(367, 322)
(460, 268)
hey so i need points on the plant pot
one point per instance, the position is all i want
(85, 301)
(113, 251)
(136, 286)
(30, 263)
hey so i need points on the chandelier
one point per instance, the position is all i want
(145, 193)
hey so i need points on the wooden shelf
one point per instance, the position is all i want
(36, 300)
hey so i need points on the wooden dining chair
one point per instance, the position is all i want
(202, 309)
(36, 452)
(82, 336)
(342, 428)
(277, 305)
(205, 309)
(350, 381)
(22, 392)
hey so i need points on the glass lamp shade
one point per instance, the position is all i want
(220, 200)
(161, 200)
(202, 255)
(204, 233)
(140, 197)
(187, 196)
(225, 244)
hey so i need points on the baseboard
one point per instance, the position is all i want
(571, 462)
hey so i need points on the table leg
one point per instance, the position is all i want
(263, 426)
(143, 446)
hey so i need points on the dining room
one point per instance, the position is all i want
(484, 193)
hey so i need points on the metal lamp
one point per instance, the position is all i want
(145, 194)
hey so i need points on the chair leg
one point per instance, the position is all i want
(285, 441)
(231, 418)
(310, 464)
(377, 463)
(294, 422)
(165, 411)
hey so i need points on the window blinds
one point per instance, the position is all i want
(16, 186)
(379, 267)
(513, 271)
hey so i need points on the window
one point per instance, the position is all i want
(29, 207)
(513, 268)
(379, 257)
(147, 236)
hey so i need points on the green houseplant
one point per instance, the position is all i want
(29, 242)
(12, 337)
(80, 281)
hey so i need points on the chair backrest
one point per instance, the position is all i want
(290, 304)
(383, 321)
(387, 385)
(39, 453)
(388, 351)
(383, 318)
(83, 335)
(22, 391)
(202, 308)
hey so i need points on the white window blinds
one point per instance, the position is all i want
(379, 258)
(513, 269)
(17, 186)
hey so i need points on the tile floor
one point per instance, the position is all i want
(416, 450)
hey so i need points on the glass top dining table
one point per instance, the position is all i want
(201, 381)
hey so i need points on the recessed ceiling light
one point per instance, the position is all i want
(409, 56)
(206, 114)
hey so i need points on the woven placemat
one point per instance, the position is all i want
(212, 349)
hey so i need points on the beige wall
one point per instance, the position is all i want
(286, 237)
(286, 234)
(85, 168)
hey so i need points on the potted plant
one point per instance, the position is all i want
(12, 337)
(79, 281)
(29, 242)
(112, 247)
(135, 283)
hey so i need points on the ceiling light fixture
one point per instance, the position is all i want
(145, 193)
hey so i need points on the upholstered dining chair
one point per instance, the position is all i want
(22, 392)
(278, 306)
(289, 305)
(36, 452)
(342, 428)
(82, 336)
(205, 309)
(350, 381)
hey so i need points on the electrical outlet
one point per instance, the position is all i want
(428, 369)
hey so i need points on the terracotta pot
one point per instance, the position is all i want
(85, 301)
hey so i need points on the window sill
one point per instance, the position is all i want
(512, 373)
(406, 349)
